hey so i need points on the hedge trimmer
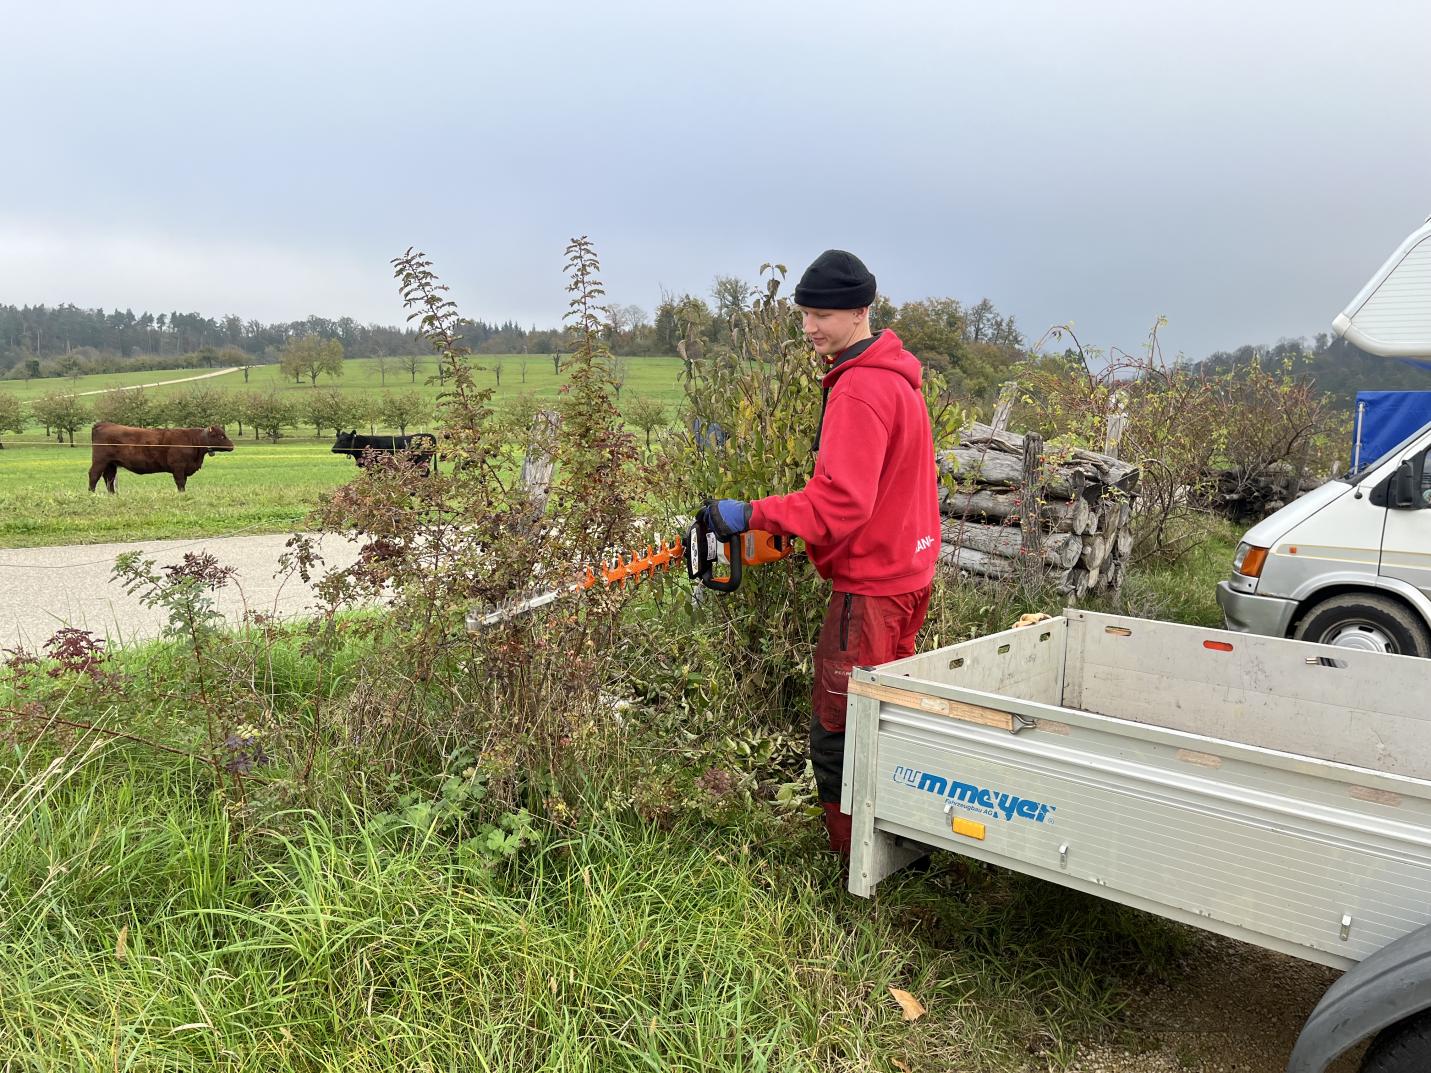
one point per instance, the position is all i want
(704, 554)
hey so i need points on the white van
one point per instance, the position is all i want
(1349, 564)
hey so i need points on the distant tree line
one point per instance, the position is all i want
(51, 331)
(974, 346)
(1337, 368)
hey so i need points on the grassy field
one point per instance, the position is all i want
(258, 488)
(261, 487)
(653, 377)
(33, 389)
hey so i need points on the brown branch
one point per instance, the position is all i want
(75, 725)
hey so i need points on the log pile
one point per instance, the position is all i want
(1069, 522)
(1245, 496)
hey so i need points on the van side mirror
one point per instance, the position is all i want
(1405, 490)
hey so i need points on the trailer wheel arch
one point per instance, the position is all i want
(1387, 998)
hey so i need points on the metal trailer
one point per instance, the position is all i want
(1271, 790)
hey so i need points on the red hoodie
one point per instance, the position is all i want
(869, 516)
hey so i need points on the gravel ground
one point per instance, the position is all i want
(43, 589)
(1237, 1010)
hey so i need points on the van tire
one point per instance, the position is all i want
(1403, 1047)
(1387, 624)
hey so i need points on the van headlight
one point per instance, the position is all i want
(1249, 560)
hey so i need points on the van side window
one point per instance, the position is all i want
(1426, 479)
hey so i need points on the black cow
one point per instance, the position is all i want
(420, 447)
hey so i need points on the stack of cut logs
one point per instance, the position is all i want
(1245, 496)
(1009, 513)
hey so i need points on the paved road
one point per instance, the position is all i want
(43, 589)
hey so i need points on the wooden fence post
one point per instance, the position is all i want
(1007, 394)
(1030, 523)
(537, 466)
(1117, 422)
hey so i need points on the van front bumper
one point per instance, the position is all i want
(1249, 613)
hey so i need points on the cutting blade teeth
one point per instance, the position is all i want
(615, 568)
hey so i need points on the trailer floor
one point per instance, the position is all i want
(1238, 1009)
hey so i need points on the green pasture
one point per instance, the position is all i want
(654, 377)
(64, 385)
(261, 487)
(258, 488)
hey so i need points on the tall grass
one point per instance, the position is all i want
(151, 940)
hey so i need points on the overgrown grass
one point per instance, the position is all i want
(1182, 591)
(144, 924)
(137, 934)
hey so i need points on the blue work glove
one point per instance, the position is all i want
(728, 517)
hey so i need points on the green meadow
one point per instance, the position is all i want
(258, 488)
(655, 377)
(261, 487)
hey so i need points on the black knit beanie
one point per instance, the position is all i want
(836, 280)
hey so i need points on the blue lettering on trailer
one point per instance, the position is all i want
(982, 799)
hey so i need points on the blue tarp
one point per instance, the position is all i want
(1385, 418)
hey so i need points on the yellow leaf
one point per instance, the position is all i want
(913, 1009)
(901, 1066)
(121, 945)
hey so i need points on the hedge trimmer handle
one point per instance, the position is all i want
(705, 551)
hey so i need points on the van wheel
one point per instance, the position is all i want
(1366, 622)
(1404, 1047)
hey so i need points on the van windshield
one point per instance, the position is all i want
(1396, 452)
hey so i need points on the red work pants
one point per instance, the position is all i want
(859, 631)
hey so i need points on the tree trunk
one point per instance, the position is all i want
(1059, 515)
(975, 562)
(986, 466)
(1058, 549)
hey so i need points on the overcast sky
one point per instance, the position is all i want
(1240, 167)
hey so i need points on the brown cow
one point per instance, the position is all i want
(179, 451)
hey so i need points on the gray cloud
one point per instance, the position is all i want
(1241, 168)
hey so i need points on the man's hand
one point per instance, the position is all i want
(728, 517)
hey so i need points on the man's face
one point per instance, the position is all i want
(831, 330)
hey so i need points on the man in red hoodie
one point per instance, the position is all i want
(869, 516)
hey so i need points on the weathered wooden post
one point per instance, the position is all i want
(1117, 422)
(537, 466)
(1007, 394)
(1030, 523)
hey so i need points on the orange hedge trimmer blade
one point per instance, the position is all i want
(636, 567)
(619, 572)
(756, 548)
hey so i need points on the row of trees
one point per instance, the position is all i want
(1338, 368)
(30, 332)
(270, 412)
(36, 333)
